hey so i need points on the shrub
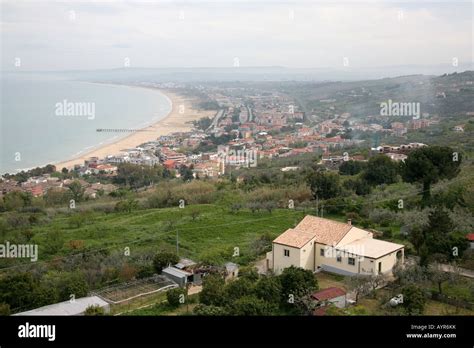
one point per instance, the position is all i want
(176, 297)
(382, 216)
(162, 260)
(210, 310)
(4, 309)
(94, 310)
(413, 300)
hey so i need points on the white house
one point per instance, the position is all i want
(337, 247)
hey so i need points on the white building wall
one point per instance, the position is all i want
(280, 261)
(388, 262)
(307, 256)
(330, 263)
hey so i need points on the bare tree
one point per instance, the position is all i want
(439, 274)
(375, 281)
(359, 284)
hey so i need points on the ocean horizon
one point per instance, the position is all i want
(46, 119)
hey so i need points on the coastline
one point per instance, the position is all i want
(175, 121)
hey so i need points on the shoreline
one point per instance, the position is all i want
(175, 121)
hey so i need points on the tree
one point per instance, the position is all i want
(54, 241)
(238, 288)
(268, 289)
(135, 176)
(436, 236)
(77, 191)
(324, 185)
(186, 173)
(94, 310)
(127, 205)
(202, 309)
(16, 220)
(163, 260)
(410, 274)
(203, 123)
(428, 165)
(261, 245)
(352, 167)
(16, 199)
(360, 186)
(248, 272)
(296, 282)
(4, 309)
(417, 238)
(194, 213)
(413, 299)
(270, 206)
(254, 206)
(45, 295)
(56, 196)
(438, 275)
(458, 244)
(359, 284)
(375, 281)
(213, 291)
(176, 297)
(251, 306)
(381, 170)
(73, 283)
(17, 290)
(77, 220)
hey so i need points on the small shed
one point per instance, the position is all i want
(333, 295)
(185, 263)
(232, 270)
(177, 275)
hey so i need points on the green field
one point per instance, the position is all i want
(206, 232)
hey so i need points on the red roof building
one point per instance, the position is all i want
(169, 164)
(328, 294)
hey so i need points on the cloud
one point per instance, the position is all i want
(83, 35)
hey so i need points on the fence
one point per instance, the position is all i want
(127, 291)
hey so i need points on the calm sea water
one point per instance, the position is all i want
(35, 131)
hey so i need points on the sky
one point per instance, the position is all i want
(107, 34)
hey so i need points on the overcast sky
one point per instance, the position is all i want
(47, 35)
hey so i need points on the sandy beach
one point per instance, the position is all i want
(178, 120)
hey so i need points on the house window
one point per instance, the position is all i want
(286, 252)
(351, 261)
(321, 252)
(338, 258)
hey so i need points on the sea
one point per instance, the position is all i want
(47, 119)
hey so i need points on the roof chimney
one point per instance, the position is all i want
(349, 221)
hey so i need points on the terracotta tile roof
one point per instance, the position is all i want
(326, 231)
(328, 294)
(294, 238)
(470, 237)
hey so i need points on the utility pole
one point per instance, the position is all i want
(177, 243)
(322, 211)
